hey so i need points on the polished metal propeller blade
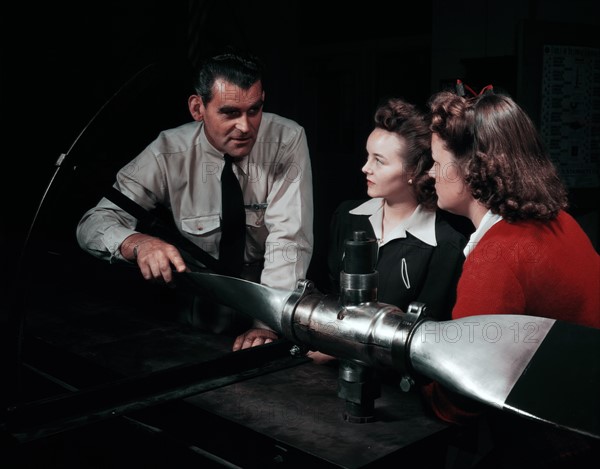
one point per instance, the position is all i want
(256, 300)
(535, 367)
(481, 357)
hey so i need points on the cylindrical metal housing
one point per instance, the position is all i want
(358, 288)
(373, 333)
(360, 254)
(358, 279)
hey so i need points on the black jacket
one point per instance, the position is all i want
(430, 272)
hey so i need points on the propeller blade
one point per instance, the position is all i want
(479, 356)
(535, 367)
(256, 300)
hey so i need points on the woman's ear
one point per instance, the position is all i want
(196, 107)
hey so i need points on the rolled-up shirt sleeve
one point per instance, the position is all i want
(103, 228)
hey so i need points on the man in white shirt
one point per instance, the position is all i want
(181, 170)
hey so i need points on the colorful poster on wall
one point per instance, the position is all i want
(570, 117)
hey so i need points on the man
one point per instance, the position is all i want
(182, 170)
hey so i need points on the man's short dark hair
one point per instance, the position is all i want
(240, 68)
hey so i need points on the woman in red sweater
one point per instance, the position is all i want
(526, 256)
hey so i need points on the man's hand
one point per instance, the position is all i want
(254, 337)
(153, 256)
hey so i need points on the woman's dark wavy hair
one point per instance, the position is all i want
(501, 154)
(404, 119)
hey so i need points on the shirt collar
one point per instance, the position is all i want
(421, 223)
(488, 220)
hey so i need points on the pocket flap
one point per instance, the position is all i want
(200, 225)
(255, 218)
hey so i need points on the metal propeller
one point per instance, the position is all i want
(535, 367)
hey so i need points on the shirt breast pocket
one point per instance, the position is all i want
(202, 225)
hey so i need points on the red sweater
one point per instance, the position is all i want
(547, 269)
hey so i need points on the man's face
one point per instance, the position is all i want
(232, 117)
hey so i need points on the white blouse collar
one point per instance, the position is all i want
(488, 220)
(421, 223)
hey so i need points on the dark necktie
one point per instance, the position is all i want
(233, 220)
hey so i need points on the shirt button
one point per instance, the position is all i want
(200, 227)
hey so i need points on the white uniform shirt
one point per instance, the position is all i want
(181, 170)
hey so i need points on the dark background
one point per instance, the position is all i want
(124, 65)
(327, 70)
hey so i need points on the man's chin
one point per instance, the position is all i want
(239, 151)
